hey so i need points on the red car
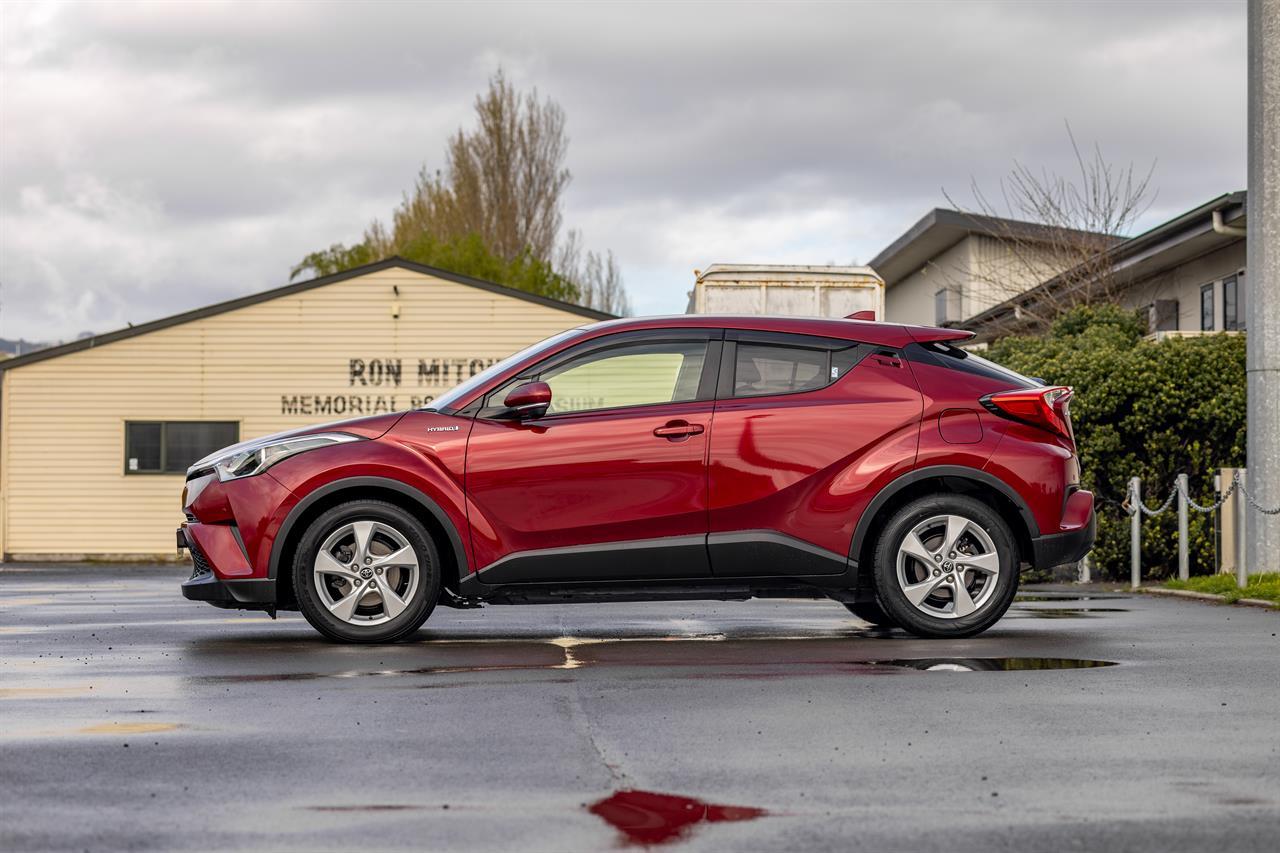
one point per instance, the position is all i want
(693, 457)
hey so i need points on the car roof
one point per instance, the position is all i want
(885, 334)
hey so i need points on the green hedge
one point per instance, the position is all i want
(1145, 409)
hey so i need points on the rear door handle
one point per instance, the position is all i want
(677, 430)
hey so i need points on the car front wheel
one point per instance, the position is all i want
(946, 566)
(366, 572)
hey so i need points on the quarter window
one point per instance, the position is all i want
(763, 369)
(171, 447)
(1206, 308)
(631, 375)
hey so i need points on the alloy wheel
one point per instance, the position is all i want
(947, 567)
(366, 572)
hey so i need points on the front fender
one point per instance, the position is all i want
(425, 476)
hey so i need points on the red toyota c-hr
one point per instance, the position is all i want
(693, 457)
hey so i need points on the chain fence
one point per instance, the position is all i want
(1134, 507)
(1180, 487)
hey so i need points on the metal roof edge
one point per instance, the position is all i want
(288, 290)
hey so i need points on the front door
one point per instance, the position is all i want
(611, 483)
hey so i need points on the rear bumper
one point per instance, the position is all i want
(1072, 544)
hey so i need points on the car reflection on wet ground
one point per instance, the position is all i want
(135, 719)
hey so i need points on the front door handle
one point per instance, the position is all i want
(678, 430)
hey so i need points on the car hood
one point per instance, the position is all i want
(372, 426)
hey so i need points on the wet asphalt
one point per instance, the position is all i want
(131, 719)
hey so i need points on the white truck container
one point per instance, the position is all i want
(797, 291)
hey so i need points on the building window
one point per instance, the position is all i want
(1206, 307)
(946, 306)
(171, 447)
(1164, 315)
(1231, 313)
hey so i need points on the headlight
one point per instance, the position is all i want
(257, 458)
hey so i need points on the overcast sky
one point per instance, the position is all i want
(160, 157)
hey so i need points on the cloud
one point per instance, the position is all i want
(154, 158)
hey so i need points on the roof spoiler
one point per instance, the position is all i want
(931, 334)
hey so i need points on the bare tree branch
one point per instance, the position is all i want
(1051, 226)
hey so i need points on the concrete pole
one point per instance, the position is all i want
(1262, 273)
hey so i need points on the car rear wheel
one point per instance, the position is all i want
(870, 611)
(946, 566)
(366, 572)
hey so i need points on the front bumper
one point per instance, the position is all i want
(204, 585)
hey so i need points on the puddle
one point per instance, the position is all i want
(40, 692)
(372, 807)
(128, 728)
(1016, 612)
(991, 664)
(26, 601)
(645, 817)
(357, 673)
(1046, 596)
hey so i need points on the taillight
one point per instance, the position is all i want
(1042, 407)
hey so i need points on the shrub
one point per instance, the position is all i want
(1145, 409)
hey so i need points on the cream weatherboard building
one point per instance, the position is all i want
(95, 435)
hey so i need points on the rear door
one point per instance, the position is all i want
(807, 429)
(611, 483)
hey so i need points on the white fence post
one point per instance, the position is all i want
(1135, 533)
(1242, 525)
(1184, 569)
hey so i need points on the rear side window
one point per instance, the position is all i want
(763, 369)
(944, 355)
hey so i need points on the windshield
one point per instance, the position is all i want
(451, 398)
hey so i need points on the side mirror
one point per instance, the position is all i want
(529, 400)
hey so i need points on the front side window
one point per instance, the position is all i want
(170, 447)
(1206, 308)
(763, 369)
(638, 374)
(1231, 304)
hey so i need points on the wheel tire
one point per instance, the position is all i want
(871, 611)
(386, 605)
(978, 534)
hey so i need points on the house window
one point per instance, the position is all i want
(1232, 316)
(1206, 308)
(170, 447)
(946, 306)
(1164, 315)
